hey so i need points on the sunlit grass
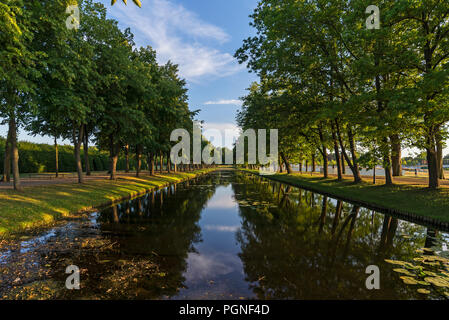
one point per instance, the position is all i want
(42, 205)
(411, 199)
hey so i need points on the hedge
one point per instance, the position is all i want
(40, 158)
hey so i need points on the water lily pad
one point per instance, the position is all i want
(433, 264)
(404, 272)
(430, 273)
(423, 291)
(397, 262)
(409, 280)
(437, 281)
(411, 266)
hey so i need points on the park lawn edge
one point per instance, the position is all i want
(411, 203)
(42, 206)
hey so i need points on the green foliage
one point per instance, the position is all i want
(40, 158)
(91, 81)
(328, 80)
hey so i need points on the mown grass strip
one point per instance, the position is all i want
(42, 205)
(409, 201)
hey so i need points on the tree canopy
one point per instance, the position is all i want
(337, 85)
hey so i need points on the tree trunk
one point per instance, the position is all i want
(353, 165)
(337, 154)
(77, 141)
(56, 158)
(387, 162)
(343, 164)
(86, 151)
(114, 149)
(7, 164)
(323, 151)
(168, 163)
(440, 147)
(151, 163)
(287, 164)
(325, 163)
(396, 155)
(138, 159)
(127, 158)
(313, 163)
(114, 159)
(432, 163)
(161, 162)
(14, 153)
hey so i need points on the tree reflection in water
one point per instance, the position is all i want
(301, 245)
(291, 244)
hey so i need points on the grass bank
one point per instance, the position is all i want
(413, 202)
(42, 205)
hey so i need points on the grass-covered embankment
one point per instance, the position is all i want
(41, 205)
(414, 202)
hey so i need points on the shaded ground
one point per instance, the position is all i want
(32, 180)
(408, 179)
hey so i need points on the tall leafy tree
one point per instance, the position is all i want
(17, 72)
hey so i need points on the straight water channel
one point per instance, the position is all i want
(230, 235)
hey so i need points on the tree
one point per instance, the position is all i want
(345, 85)
(17, 72)
(429, 46)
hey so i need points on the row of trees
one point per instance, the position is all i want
(84, 84)
(332, 85)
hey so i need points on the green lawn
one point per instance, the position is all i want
(404, 199)
(41, 205)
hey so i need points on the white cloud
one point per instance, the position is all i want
(221, 134)
(225, 102)
(179, 35)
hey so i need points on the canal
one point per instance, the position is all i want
(229, 235)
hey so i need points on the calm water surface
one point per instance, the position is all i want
(228, 235)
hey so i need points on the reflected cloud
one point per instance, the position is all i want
(208, 267)
(221, 201)
(222, 228)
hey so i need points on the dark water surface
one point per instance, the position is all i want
(229, 235)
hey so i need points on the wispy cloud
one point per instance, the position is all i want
(179, 35)
(234, 102)
(221, 134)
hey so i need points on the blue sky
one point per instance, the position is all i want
(201, 36)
